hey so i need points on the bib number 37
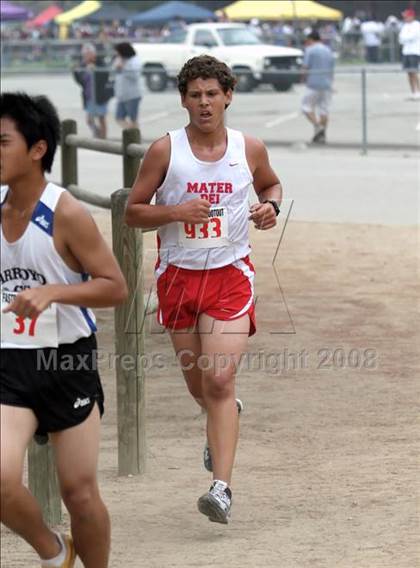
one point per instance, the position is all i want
(23, 326)
(22, 332)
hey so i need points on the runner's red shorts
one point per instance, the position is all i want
(225, 293)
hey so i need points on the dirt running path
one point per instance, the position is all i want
(327, 466)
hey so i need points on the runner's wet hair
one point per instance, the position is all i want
(36, 119)
(206, 67)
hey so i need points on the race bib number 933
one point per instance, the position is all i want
(212, 234)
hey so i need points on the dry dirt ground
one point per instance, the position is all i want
(326, 467)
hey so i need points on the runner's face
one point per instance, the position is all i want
(14, 152)
(205, 102)
(16, 160)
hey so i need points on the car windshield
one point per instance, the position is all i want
(238, 36)
(176, 36)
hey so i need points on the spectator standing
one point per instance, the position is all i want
(281, 34)
(96, 90)
(351, 36)
(175, 25)
(127, 67)
(372, 39)
(409, 38)
(318, 65)
(392, 30)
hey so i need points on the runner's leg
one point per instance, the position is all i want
(187, 345)
(223, 343)
(19, 509)
(77, 451)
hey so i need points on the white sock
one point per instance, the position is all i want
(220, 484)
(58, 560)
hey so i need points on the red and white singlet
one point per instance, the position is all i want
(224, 239)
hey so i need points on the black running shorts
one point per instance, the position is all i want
(60, 385)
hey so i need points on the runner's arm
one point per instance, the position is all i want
(266, 184)
(107, 286)
(152, 172)
(85, 244)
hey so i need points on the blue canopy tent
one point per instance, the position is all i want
(170, 10)
(108, 13)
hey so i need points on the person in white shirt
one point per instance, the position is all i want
(127, 67)
(372, 39)
(54, 267)
(409, 38)
(201, 176)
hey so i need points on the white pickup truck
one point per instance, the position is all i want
(236, 44)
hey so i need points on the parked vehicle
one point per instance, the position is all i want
(253, 62)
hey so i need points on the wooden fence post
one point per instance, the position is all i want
(130, 163)
(129, 343)
(43, 482)
(68, 154)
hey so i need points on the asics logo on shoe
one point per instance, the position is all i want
(42, 221)
(81, 402)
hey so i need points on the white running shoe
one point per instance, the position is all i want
(69, 554)
(206, 453)
(216, 503)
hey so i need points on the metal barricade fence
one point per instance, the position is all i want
(370, 108)
(367, 110)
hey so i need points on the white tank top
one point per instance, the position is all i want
(225, 183)
(33, 260)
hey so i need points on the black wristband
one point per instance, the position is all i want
(274, 204)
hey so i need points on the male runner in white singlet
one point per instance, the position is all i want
(55, 265)
(201, 176)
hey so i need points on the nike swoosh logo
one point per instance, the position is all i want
(233, 163)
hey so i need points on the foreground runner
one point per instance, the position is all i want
(54, 266)
(202, 175)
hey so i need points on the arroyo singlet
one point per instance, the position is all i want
(33, 261)
(225, 183)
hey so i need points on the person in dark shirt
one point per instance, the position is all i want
(96, 90)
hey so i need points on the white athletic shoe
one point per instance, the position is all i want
(216, 503)
(69, 554)
(206, 453)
